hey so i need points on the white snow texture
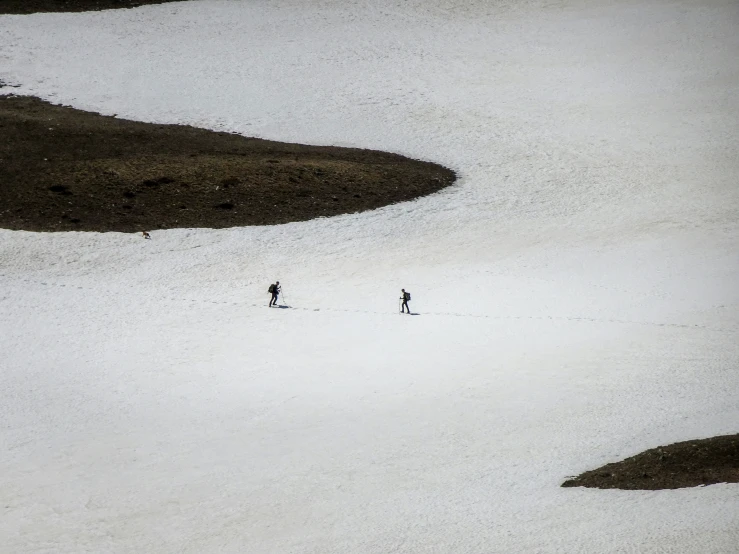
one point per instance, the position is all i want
(577, 288)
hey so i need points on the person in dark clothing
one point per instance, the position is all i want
(405, 297)
(275, 291)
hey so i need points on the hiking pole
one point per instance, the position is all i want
(283, 297)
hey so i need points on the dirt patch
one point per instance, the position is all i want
(36, 6)
(675, 466)
(63, 169)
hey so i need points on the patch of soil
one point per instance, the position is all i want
(675, 466)
(35, 6)
(63, 169)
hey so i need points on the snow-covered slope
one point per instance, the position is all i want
(577, 287)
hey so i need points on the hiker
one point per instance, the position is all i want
(405, 297)
(145, 235)
(274, 290)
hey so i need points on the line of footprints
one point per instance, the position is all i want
(448, 314)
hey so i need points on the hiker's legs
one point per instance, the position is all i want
(405, 306)
(273, 300)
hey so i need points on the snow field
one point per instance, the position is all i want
(576, 288)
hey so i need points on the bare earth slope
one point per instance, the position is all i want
(65, 169)
(34, 6)
(682, 464)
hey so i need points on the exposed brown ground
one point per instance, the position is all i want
(63, 169)
(675, 466)
(34, 6)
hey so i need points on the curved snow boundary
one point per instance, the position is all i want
(679, 465)
(70, 170)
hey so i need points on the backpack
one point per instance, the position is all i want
(271, 289)
(407, 296)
